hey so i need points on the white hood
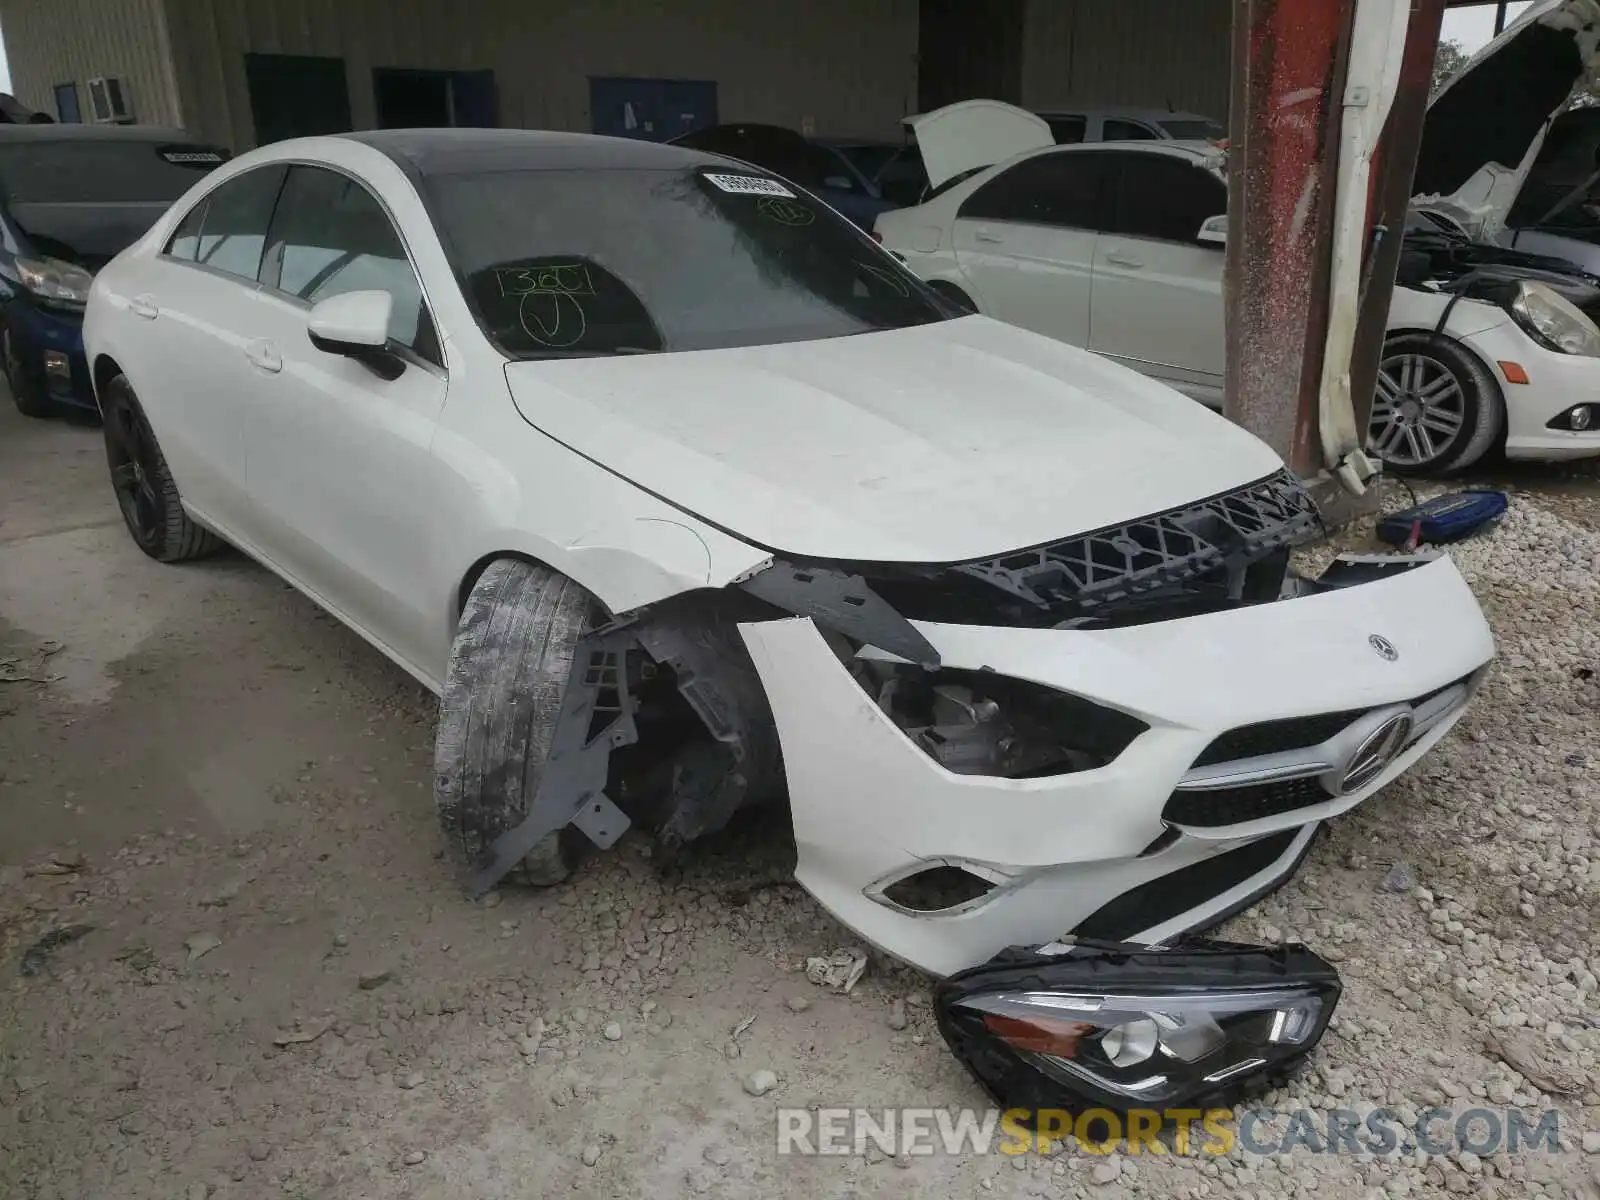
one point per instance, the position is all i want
(937, 443)
(1485, 127)
(975, 133)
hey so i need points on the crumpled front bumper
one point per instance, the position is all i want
(1075, 852)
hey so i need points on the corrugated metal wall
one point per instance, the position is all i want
(1147, 53)
(849, 65)
(69, 41)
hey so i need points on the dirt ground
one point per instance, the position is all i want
(233, 791)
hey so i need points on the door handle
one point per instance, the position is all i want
(983, 235)
(144, 306)
(264, 354)
(1119, 259)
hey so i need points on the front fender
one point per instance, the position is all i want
(625, 562)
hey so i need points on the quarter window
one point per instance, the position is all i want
(228, 228)
(1164, 198)
(1063, 189)
(331, 236)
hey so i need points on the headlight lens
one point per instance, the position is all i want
(983, 723)
(53, 279)
(1133, 1027)
(1554, 320)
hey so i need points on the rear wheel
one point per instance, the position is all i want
(29, 399)
(1437, 408)
(498, 710)
(146, 492)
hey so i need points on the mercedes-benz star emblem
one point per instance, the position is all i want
(1383, 646)
(1380, 749)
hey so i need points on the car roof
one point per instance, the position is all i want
(1171, 147)
(465, 151)
(1143, 114)
(93, 133)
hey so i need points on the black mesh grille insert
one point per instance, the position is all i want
(1162, 899)
(1236, 805)
(1292, 733)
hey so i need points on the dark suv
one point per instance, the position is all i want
(71, 198)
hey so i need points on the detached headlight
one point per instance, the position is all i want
(52, 280)
(1553, 320)
(1131, 1027)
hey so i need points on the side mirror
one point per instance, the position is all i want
(1213, 231)
(356, 325)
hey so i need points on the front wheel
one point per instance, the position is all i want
(146, 492)
(1437, 409)
(502, 697)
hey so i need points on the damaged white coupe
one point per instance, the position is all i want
(685, 497)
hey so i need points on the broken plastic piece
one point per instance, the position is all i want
(844, 604)
(574, 777)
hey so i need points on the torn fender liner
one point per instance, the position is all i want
(715, 676)
(1105, 1025)
(843, 603)
(596, 717)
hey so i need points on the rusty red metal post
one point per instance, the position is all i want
(1288, 80)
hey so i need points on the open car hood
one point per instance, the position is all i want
(1485, 127)
(973, 134)
(933, 444)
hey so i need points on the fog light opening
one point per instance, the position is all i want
(1582, 418)
(937, 889)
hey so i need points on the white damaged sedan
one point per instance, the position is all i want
(685, 496)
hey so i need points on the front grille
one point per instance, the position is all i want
(1274, 737)
(1237, 805)
(1293, 733)
(1168, 896)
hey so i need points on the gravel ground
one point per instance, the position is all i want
(283, 995)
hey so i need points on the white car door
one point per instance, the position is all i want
(1026, 241)
(1157, 288)
(339, 460)
(194, 297)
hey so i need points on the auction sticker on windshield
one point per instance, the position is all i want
(749, 185)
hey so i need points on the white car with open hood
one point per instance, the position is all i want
(1118, 247)
(686, 496)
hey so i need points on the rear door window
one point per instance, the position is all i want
(1163, 198)
(228, 228)
(1067, 129)
(1064, 190)
(1118, 130)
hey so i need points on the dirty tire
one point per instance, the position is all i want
(30, 401)
(497, 713)
(1473, 405)
(144, 487)
(953, 294)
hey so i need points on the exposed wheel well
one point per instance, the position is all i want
(470, 579)
(105, 370)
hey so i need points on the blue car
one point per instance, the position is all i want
(71, 198)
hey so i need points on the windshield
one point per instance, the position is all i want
(1193, 129)
(578, 263)
(102, 171)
